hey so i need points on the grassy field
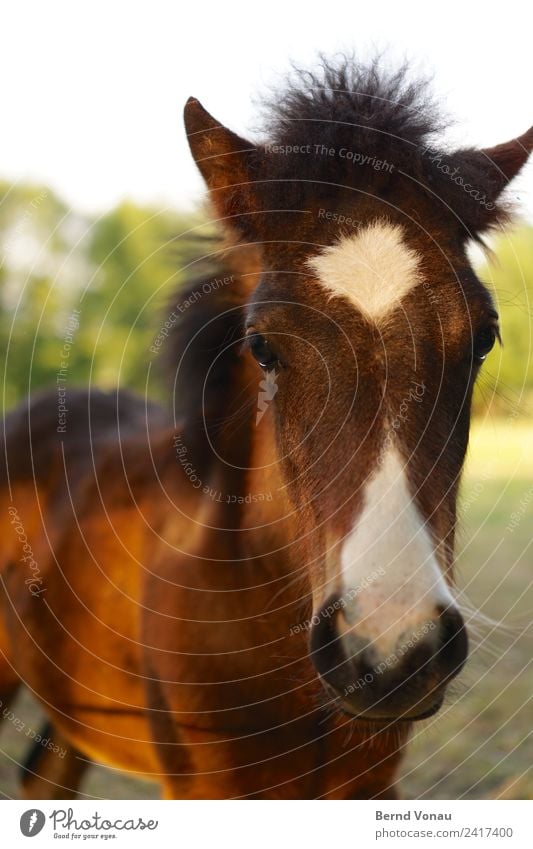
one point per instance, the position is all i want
(480, 745)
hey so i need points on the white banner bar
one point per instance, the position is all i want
(256, 825)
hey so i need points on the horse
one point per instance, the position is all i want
(250, 594)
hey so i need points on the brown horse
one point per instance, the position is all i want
(254, 597)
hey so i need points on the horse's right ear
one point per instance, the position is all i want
(228, 164)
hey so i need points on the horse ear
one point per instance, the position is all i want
(490, 171)
(506, 160)
(228, 164)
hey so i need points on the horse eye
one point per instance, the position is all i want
(484, 342)
(262, 352)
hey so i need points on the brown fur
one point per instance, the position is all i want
(166, 638)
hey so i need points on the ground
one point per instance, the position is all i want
(480, 745)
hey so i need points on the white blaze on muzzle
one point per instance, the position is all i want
(390, 541)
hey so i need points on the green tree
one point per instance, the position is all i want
(509, 275)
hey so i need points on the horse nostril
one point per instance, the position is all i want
(453, 640)
(408, 679)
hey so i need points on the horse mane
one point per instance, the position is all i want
(353, 105)
(389, 119)
(202, 351)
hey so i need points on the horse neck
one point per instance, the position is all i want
(246, 474)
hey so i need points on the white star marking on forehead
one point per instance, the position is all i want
(374, 268)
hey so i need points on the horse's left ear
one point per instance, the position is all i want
(228, 164)
(507, 159)
(496, 167)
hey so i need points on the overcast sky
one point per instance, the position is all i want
(92, 92)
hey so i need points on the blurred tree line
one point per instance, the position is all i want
(88, 295)
(506, 381)
(84, 297)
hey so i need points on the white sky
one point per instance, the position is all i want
(92, 92)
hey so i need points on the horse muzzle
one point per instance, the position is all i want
(406, 683)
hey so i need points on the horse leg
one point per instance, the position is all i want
(46, 773)
(52, 773)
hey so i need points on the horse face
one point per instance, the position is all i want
(373, 362)
(369, 339)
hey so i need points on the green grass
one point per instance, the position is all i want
(480, 744)
(500, 448)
